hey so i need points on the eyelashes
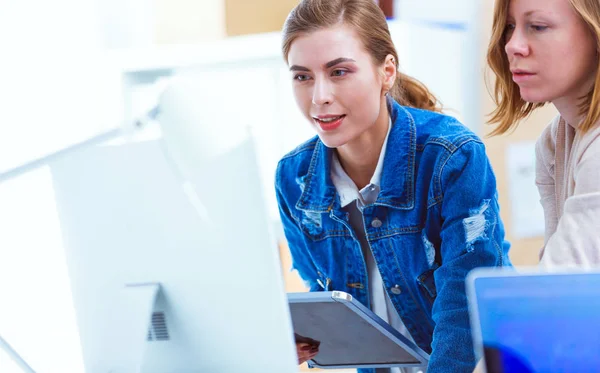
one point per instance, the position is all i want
(337, 73)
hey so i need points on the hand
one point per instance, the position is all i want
(306, 351)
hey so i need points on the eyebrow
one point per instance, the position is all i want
(328, 65)
(526, 14)
(337, 61)
(298, 68)
(532, 12)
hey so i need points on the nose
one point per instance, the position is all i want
(516, 45)
(322, 92)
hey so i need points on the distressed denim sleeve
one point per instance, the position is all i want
(472, 236)
(301, 260)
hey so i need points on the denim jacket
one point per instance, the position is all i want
(436, 218)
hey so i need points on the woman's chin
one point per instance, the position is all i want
(332, 141)
(534, 100)
(533, 97)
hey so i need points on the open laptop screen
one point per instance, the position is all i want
(537, 322)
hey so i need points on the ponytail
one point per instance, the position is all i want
(408, 91)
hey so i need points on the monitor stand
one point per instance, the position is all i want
(136, 318)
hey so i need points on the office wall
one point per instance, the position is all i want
(256, 16)
(189, 21)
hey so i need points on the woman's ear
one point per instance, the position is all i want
(389, 72)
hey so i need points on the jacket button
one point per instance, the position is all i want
(396, 289)
(376, 223)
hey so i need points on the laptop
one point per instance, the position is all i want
(532, 321)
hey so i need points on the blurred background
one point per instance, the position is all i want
(70, 67)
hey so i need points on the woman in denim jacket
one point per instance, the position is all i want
(392, 202)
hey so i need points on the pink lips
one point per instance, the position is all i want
(520, 76)
(329, 122)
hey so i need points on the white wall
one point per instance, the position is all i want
(439, 44)
(196, 21)
(55, 87)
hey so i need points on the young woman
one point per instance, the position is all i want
(547, 51)
(392, 201)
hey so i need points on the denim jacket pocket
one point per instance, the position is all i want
(426, 283)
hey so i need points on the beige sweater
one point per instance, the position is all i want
(568, 179)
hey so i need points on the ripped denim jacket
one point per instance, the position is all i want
(436, 218)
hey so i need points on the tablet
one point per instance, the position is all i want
(350, 335)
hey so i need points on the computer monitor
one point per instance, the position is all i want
(172, 264)
(533, 321)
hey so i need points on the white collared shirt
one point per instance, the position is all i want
(347, 189)
(381, 305)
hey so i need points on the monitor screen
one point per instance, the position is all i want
(539, 323)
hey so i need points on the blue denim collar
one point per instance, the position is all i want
(397, 180)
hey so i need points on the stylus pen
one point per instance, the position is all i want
(15, 356)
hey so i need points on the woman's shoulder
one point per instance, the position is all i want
(590, 140)
(440, 129)
(297, 161)
(301, 150)
(587, 156)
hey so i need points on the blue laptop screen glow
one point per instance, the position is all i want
(540, 323)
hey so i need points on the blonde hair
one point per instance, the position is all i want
(369, 22)
(511, 108)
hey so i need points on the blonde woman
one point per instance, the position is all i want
(392, 201)
(546, 51)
